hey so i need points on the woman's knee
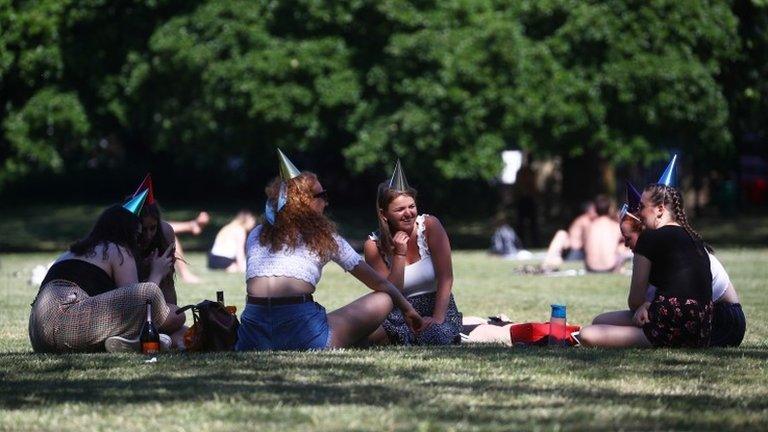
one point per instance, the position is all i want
(590, 336)
(173, 322)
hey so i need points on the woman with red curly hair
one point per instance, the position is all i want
(285, 257)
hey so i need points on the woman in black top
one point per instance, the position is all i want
(91, 297)
(672, 256)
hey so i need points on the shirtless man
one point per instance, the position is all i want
(569, 243)
(603, 243)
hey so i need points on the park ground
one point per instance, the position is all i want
(467, 387)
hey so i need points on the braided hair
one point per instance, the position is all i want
(671, 198)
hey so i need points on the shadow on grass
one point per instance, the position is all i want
(377, 377)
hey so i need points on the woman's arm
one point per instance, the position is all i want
(440, 248)
(124, 271)
(240, 238)
(641, 269)
(373, 280)
(394, 274)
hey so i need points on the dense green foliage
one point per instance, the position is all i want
(445, 85)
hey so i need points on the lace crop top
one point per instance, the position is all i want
(419, 277)
(300, 263)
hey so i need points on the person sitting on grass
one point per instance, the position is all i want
(285, 258)
(228, 251)
(195, 227)
(603, 246)
(569, 246)
(413, 252)
(91, 298)
(728, 320)
(670, 255)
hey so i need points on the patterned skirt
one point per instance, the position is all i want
(65, 319)
(438, 334)
(678, 322)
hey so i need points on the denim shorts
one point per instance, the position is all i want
(302, 326)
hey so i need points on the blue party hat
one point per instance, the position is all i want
(669, 176)
(135, 204)
(633, 198)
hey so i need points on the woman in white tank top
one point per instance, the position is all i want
(413, 252)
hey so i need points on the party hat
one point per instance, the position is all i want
(624, 212)
(147, 184)
(287, 169)
(135, 204)
(633, 198)
(669, 176)
(398, 181)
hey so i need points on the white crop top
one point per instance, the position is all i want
(419, 277)
(300, 263)
(720, 280)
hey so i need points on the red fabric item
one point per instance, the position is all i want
(536, 333)
(147, 184)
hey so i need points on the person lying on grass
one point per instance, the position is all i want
(728, 320)
(285, 258)
(670, 255)
(91, 298)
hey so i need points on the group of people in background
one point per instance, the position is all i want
(94, 296)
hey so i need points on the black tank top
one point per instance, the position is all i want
(90, 277)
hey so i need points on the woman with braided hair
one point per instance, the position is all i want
(671, 256)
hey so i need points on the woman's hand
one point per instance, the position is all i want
(414, 320)
(161, 265)
(400, 240)
(641, 315)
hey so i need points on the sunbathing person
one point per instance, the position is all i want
(195, 227)
(569, 246)
(285, 258)
(603, 245)
(413, 252)
(670, 255)
(728, 320)
(228, 251)
(91, 298)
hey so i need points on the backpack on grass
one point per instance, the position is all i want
(214, 329)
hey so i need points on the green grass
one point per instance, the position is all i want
(469, 387)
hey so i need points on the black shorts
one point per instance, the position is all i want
(216, 262)
(728, 325)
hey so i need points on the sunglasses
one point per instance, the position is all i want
(323, 195)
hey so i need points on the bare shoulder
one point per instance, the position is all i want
(433, 224)
(370, 247)
(168, 232)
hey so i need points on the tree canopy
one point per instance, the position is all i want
(444, 85)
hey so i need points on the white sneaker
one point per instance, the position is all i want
(120, 344)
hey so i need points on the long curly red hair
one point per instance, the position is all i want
(297, 223)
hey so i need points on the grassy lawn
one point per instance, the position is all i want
(469, 387)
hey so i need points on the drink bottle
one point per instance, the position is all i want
(557, 336)
(220, 297)
(149, 338)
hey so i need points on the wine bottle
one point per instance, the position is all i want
(220, 297)
(150, 338)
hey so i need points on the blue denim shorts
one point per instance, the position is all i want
(302, 326)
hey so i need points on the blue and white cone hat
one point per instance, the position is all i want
(135, 204)
(669, 176)
(288, 171)
(632, 205)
